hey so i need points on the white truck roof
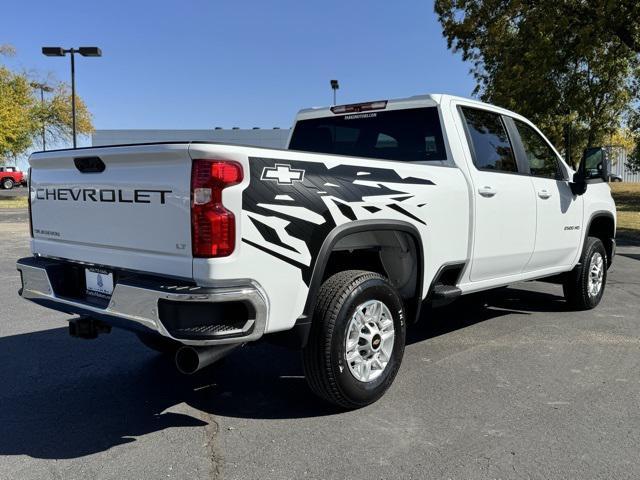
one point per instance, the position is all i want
(415, 101)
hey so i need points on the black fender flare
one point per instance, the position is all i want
(297, 337)
(601, 214)
(358, 226)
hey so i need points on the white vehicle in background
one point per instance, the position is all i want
(332, 245)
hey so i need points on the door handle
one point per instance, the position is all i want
(487, 191)
(544, 193)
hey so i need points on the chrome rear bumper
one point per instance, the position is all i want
(136, 302)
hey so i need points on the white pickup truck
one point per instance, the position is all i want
(332, 245)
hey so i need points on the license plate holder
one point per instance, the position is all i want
(99, 282)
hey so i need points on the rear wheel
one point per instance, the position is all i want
(357, 339)
(584, 285)
(7, 183)
(159, 343)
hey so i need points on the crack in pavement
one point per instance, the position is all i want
(210, 432)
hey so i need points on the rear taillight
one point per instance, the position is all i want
(213, 227)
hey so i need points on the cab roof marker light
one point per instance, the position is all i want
(360, 107)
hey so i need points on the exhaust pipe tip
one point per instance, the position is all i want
(191, 359)
(187, 360)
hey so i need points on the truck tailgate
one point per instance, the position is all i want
(126, 207)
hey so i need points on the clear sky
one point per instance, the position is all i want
(201, 64)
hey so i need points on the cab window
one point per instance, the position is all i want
(541, 158)
(492, 149)
(411, 135)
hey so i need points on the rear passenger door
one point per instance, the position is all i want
(505, 206)
(559, 212)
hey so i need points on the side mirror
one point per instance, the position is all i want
(595, 164)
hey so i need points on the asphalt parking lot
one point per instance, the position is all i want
(507, 384)
(16, 191)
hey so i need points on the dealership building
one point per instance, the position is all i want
(258, 137)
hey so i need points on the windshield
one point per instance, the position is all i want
(409, 135)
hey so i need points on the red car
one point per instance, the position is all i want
(10, 176)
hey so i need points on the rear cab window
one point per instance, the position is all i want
(412, 135)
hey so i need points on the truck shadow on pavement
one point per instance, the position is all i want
(476, 308)
(66, 398)
(267, 382)
(632, 256)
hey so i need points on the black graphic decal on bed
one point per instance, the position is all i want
(294, 205)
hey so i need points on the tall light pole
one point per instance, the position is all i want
(43, 87)
(61, 52)
(334, 87)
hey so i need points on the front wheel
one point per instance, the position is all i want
(7, 184)
(357, 339)
(584, 285)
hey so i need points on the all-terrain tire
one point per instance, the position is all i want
(578, 286)
(324, 357)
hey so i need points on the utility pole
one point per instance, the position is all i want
(43, 87)
(61, 52)
(334, 86)
(73, 95)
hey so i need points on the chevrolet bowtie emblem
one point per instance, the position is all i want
(283, 174)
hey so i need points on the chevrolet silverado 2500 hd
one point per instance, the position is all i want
(332, 244)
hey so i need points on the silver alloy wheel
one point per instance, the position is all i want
(7, 184)
(370, 338)
(596, 275)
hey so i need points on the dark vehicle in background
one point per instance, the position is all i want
(10, 177)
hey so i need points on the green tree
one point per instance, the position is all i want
(633, 160)
(17, 114)
(22, 114)
(554, 61)
(55, 114)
